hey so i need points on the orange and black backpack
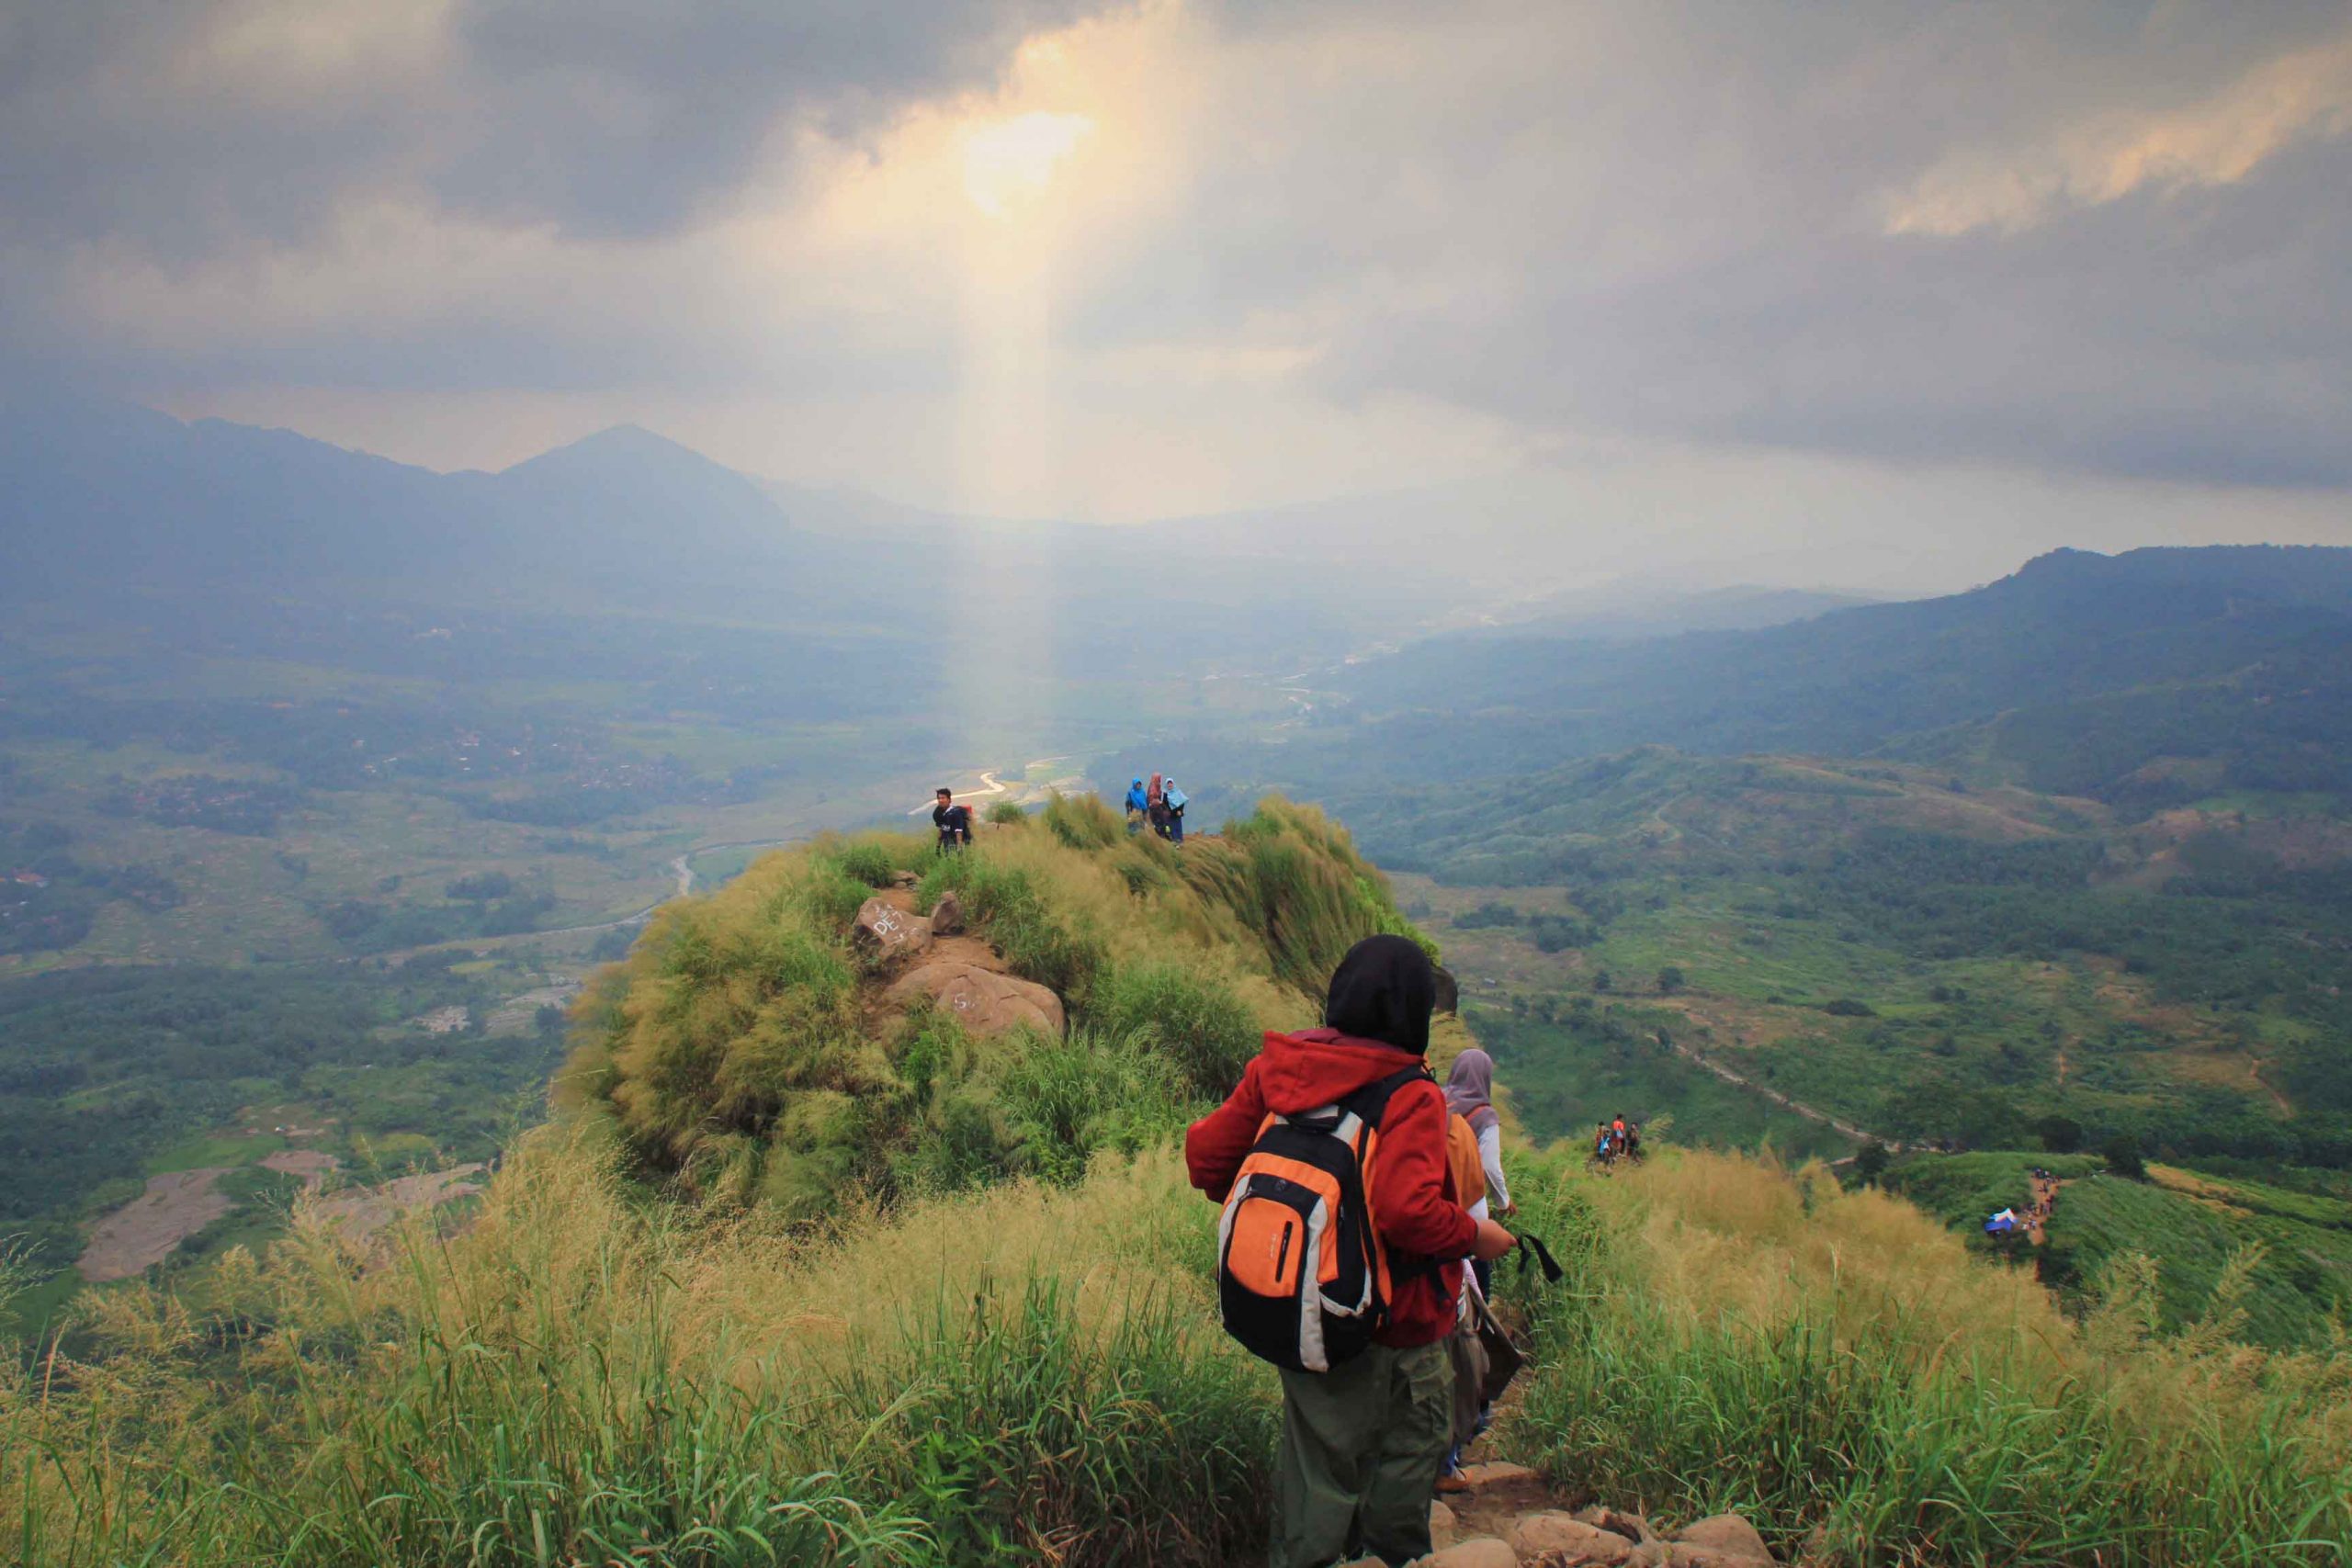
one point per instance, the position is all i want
(1302, 1277)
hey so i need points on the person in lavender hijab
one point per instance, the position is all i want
(1470, 1094)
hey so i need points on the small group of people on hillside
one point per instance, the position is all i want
(1159, 804)
(2045, 1198)
(1372, 1397)
(1616, 1139)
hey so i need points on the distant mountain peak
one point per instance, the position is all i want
(617, 443)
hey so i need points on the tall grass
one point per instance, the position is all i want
(744, 1055)
(584, 1378)
(1189, 1018)
(1836, 1367)
(1290, 874)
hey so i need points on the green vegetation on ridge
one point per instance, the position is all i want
(739, 1051)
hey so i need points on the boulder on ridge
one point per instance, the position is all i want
(947, 915)
(982, 1000)
(883, 929)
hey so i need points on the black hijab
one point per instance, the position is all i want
(1385, 990)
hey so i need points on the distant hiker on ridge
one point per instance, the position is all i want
(1138, 803)
(1367, 1385)
(1174, 799)
(953, 821)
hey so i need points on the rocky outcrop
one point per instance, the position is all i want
(1491, 1527)
(984, 1001)
(1570, 1540)
(884, 930)
(947, 916)
(1724, 1540)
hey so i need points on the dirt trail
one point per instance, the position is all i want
(1501, 1494)
(2045, 1198)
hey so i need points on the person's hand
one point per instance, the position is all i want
(1493, 1242)
(1509, 1209)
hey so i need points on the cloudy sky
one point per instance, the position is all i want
(1921, 286)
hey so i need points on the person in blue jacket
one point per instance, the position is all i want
(1174, 799)
(1137, 805)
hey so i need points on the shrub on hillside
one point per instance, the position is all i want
(2060, 1134)
(950, 1134)
(868, 860)
(1289, 872)
(2123, 1154)
(1869, 1162)
(869, 863)
(1190, 1017)
(1065, 1101)
(1083, 821)
(739, 1018)
(1002, 812)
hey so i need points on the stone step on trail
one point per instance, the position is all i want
(1507, 1521)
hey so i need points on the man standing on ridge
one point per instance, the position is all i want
(953, 821)
(1363, 1442)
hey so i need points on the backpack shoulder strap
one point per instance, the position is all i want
(1371, 1101)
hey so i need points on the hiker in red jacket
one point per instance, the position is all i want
(1363, 1443)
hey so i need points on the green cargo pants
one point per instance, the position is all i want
(1361, 1447)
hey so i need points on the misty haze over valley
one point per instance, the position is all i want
(1803, 556)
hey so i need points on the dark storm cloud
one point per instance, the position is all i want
(620, 118)
(177, 128)
(1642, 219)
(2104, 237)
(2202, 336)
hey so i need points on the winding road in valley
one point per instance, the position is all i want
(681, 871)
(989, 785)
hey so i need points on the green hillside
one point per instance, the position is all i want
(1924, 959)
(2233, 1257)
(810, 1274)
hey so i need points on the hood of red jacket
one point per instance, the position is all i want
(1315, 1067)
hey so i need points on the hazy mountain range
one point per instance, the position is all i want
(2142, 677)
(100, 502)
